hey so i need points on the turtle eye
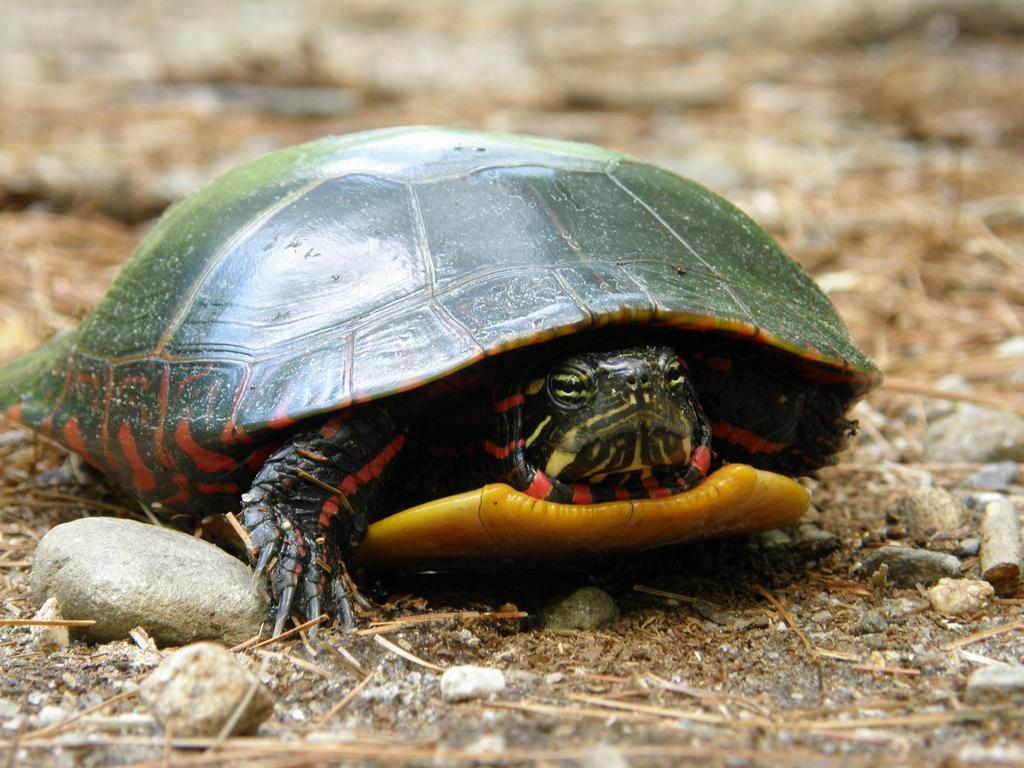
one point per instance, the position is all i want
(569, 387)
(675, 375)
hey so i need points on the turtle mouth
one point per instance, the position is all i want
(638, 450)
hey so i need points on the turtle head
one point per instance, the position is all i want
(616, 417)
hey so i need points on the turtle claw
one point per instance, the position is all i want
(284, 608)
(265, 556)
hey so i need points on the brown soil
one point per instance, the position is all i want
(881, 142)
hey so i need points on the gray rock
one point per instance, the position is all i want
(774, 538)
(810, 534)
(901, 607)
(1012, 347)
(923, 511)
(972, 433)
(998, 684)
(908, 567)
(586, 608)
(125, 574)
(871, 623)
(969, 547)
(957, 597)
(196, 691)
(1009, 755)
(994, 476)
(470, 682)
(603, 756)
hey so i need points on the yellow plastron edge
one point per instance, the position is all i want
(496, 522)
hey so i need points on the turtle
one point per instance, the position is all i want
(420, 344)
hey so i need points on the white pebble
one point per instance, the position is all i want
(955, 597)
(471, 682)
(998, 684)
(48, 638)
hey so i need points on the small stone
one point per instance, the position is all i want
(871, 623)
(901, 607)
(907, 567)
(470, 682)
(9, 708)
(773, 538)
(808, 533)
(957, 597)
(50, 638)
(466, 637)
(994, 476)
(489, 745)
(49, 715)
(822, 617)
(969, 547)
(1012, 347)
(125, 574)
(926, 510)
(1010, 755)
(195, 691)
(586, 608)
(603, 756)
(974, 434)
(997, 684)
(1001, 547)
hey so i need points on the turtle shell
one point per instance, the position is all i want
(355, 267)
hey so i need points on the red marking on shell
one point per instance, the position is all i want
(701, 459)
(90, 380)
(232, 434)
(108, 391)
(330, 427)
(142, 479)
(13, 412)
(373, 468)
(581, 494)
(508, 403)
(258, 458)
(231, 488)
(502, 451)
(744, 438)
(621, 494)
(281, 420)
(540, 486)
(182, 496)
(162, 454)
(192, 378)
(205, 460)
(73, 438)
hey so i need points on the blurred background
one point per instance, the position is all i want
(880, 140)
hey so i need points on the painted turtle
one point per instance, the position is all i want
(530, 347)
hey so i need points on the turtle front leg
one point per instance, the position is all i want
(310, 505)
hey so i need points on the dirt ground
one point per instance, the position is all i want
(881, 142)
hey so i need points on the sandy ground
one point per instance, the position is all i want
(880, 142)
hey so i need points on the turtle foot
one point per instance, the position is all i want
(305, 571)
